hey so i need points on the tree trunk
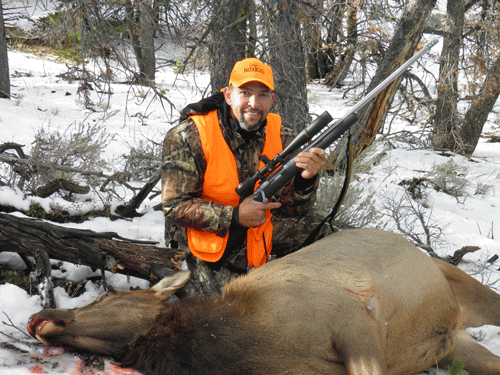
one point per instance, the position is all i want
(4, 61)
(313, 43)
(105, 251)
(141, 26)
(148, 27)
(228, 40)
(446, 116)
(477, 114)
(343, 64)
(287, 59)
(252, 28)
(404, 42)
(133, 30)
(450, 131)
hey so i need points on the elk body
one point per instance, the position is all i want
(357, 302)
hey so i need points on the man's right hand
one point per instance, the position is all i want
(252, 213)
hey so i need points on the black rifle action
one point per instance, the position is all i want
(277, 173)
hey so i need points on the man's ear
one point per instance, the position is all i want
(227, 95)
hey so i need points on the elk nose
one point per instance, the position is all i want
(32, 323)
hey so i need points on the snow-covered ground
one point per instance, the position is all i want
(41, 99)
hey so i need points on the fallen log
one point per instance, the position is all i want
(99, 250)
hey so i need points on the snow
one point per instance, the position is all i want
(41, 99)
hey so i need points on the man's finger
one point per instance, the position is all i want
(272, 205)
(320, 152)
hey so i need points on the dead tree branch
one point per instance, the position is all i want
(129, 209)
(105, 251)
(64, 168)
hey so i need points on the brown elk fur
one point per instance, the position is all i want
(358, 302)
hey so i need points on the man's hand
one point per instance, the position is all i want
(311, 162)
(252, 213)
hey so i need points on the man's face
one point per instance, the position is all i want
(250, 103)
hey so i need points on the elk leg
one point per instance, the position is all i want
(479, 304)
(361, 348)
(478, 360)
(366, 365)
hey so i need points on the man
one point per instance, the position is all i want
(216, 146)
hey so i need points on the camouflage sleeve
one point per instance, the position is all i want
(294, 202)
(183, 167)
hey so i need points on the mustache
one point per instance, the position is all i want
(251, 110)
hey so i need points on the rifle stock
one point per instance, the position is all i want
(278, 172)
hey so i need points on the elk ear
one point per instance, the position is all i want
(171, 284)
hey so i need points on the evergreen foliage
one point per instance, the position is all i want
(457, 367)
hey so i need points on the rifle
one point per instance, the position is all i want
(278, 172)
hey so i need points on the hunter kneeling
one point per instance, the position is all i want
(216, 146)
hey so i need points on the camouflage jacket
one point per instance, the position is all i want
(184, 165)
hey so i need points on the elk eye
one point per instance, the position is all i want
(59, 323)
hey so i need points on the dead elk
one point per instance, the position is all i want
(358, 302)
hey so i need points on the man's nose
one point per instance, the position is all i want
(252, 101)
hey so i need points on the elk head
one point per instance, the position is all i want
(124, 314)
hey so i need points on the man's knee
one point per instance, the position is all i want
(206, 278)
(289, 233)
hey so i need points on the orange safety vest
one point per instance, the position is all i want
(220, 182)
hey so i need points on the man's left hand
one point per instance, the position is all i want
(311, 162)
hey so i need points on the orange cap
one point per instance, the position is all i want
(250, 70)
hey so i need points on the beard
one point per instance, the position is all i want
(250, 127)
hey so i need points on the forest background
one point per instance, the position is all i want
(348, 44)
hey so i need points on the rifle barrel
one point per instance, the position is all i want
(382, 85)
(286, 172)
